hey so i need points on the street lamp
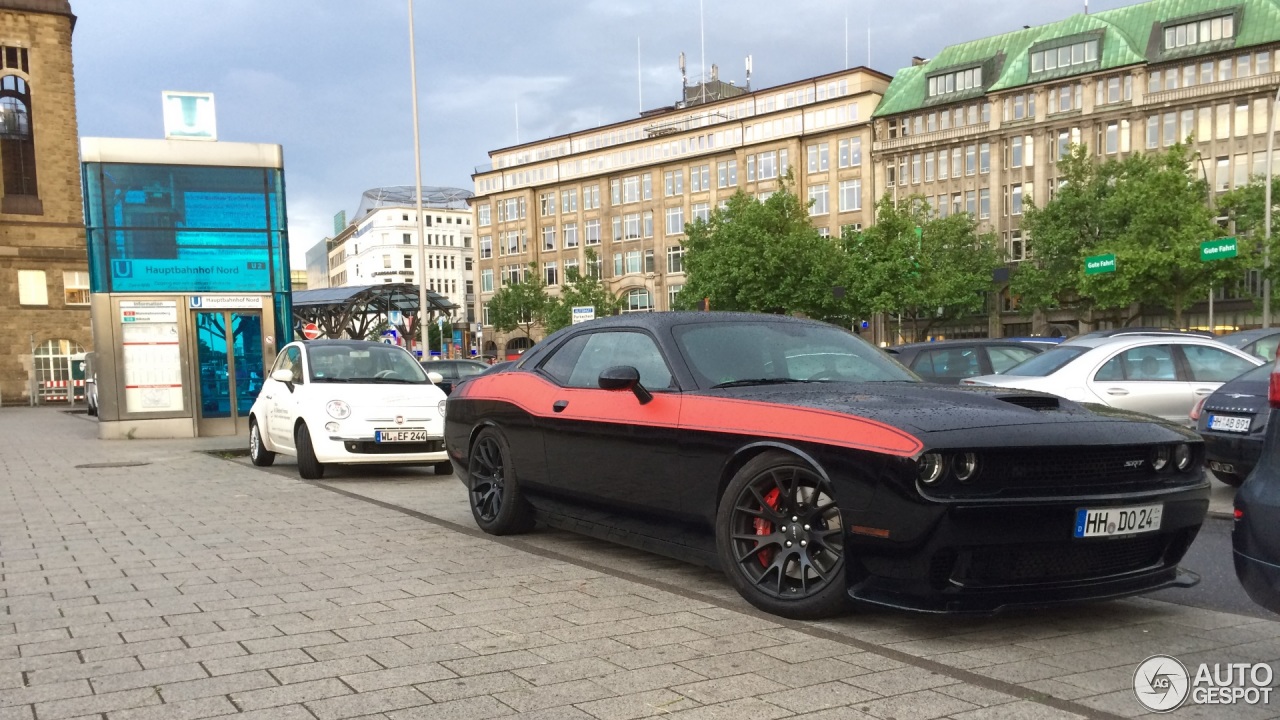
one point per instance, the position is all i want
(1266, 240)
(417, 167)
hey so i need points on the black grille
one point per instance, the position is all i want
(373, 448)
(1058, 561)
(1032, 402)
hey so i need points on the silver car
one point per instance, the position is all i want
(1159, 375)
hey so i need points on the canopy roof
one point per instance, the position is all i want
(354, 311)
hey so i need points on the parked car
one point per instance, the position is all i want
(1233, 422)
(1255, 537)
(453, 372)
(950, 361)
(1259, 341)
(91, 383)
(814, 470)
(1127, 331)
(1161, 375)
(348, 401)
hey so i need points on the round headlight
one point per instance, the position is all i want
(930, 468)
(440, 406)
(1182, 457)
(338, 410)
(965, 466)
(1160, 458)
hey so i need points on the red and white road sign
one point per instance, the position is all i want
(310, 331)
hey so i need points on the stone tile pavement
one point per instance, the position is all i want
(140, 579)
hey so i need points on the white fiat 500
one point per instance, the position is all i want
(348, 401)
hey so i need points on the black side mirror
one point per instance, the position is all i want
(624, 377)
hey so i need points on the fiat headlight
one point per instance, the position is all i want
(440, 406)
(338, 410)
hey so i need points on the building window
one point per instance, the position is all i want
(930, 161)
(850, 195)
(482, 213)
(32, 288)
(818, 198)
(971, 202)
(569, 201)
(593, 232)
(1199, 31)
(675, 221)
(631, 226)
(954, 82)
(727, 173)
(591, 197)
(646, 221)
(1067, 56)
(673, 182)
(17, 148)
(673, 291)
(571, 235)
(850, 150)
(819, 157)
(915, 168)
(551, 273)
(633, 261)
(547, 204)
(984, 203)
(970, 157)
(549, 238)
(1015, 205)
(638, 300)
(617, 228)
(1112, 140)
(1017, 250)
(486, 280)
(408, 262)
(486, 246)
(646, 186)
(700, 178)
(984, 158)
(675, 259)
(631, 189)
(702, 211)
(75, 286)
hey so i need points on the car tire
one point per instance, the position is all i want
(493, 491)
(258, 453)
(784, 501)
(308, 466)
(442, 468)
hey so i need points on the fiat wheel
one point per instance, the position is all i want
(258, 453)
(780, 538)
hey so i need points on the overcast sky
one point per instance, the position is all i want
(329, 79)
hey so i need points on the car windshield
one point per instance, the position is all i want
(1048, 362)
(471, 369)
(1262, 373)
(372, 363)
(723, 354)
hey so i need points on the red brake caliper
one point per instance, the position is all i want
(764, 527)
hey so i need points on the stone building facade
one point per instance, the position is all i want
(44, 278)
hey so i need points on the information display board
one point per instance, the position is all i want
(152, 358)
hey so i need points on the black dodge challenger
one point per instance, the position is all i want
(814, 470)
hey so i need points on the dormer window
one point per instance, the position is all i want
(1198, 32)
(955, 82)
(1064, 57)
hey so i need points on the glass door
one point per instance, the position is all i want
(230, 366)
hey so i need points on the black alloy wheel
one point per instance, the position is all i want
(781, 540)
(258, 453)
(493, 491)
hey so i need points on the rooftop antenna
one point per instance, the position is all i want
(639, 76)
(684, 78)
(748, 73)
(1086, 7)
(517, 122)
(868, 37)
(703, 33)
(846, 41)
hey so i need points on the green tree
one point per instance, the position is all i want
(580, 290)
(520, 305)
(764, 257)
(938, 273)
(1245, 209)
(1149, 210)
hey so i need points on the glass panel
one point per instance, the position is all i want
(246, 343)
(211, 352)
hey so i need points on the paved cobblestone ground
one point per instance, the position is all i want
(145, 580)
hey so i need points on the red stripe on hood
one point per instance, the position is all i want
(536, 396)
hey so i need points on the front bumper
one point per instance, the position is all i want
(359, 448)
(983, 558)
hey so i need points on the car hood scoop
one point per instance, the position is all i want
(1031, 402)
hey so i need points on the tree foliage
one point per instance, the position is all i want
(520, 305)
(1149, 210)
(1245, 209)
(580, 290)
(939, 273)
(765, 257)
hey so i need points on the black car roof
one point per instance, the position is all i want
(961, 343)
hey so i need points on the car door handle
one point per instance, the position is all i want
(560, 405)
(1117, 391)
(1204, 391)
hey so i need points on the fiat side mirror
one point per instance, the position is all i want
(435, 377)
(625, 377)
(283, 375)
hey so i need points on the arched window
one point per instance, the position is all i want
(639, 300)
(17, 146)
(53, 360)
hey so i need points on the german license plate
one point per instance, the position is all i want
(1229, 423)
(1106, 522)
(399, 436)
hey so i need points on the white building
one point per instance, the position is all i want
(380, 245)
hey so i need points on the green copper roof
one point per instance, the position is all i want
(1130, 35)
